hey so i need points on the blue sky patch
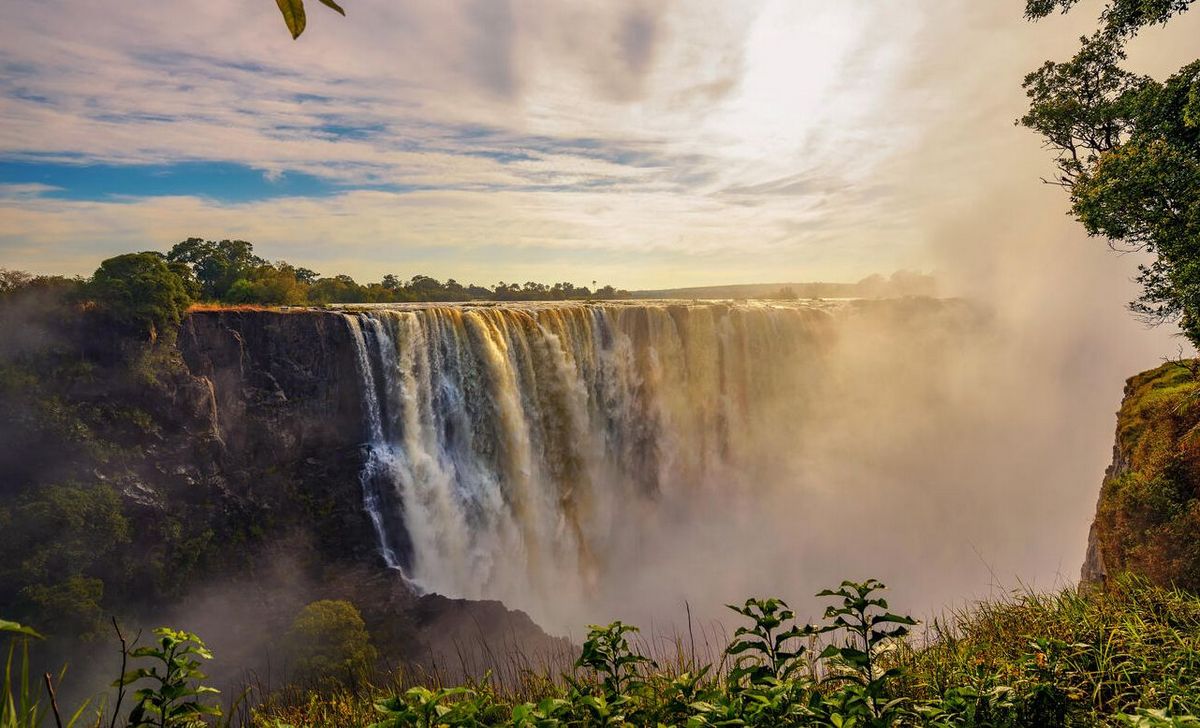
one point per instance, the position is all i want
(222, 181)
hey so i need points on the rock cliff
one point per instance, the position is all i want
(1148, 514)
(288, 415)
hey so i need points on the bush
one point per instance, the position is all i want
(141, 292)
(51, 539)
(329, 640)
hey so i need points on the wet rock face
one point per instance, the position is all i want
(288, 414)
(283, 382)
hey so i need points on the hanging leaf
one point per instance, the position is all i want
(335, 6)
(293, 15)
(14, 628)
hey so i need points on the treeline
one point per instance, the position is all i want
(228, 271)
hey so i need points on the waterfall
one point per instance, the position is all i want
(509, 446)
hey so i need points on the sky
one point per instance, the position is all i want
(646, 143)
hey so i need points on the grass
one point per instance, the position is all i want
(1128, 655)
(1125, 655)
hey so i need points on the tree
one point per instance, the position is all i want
(13, 280)
(216, 265)
(269, 284)
(328, 638)
(1121, 17)
(53, 539)
(1128, 152)
(307, 275)
(140, 291)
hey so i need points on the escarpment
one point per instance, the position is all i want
(288, 416)
(1148, 516)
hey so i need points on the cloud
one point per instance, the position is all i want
(599, 109)
(786, 138)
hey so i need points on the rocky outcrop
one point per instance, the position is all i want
(1094, 571)
(1148, 513)
(288, 415)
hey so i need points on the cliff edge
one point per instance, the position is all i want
(1148, 515)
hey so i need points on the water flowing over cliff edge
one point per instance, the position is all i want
(541, 453)
(509, 444)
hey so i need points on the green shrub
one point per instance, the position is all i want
(329, 640)
(141, 292)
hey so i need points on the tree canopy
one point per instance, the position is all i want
(328, 639)
(1128, 152)
(141, 291)
(228, 271)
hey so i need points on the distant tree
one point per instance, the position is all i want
(307, 275)
(216, 265)
(329, 639)
(1128, 152)
(141, 292)
(425, 284)
(391, 282)
(338, 289)
(269, 284)
(12, 280)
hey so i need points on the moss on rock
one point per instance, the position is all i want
(1148, 517)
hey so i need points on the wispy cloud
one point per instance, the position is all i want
(631, 126)
(795, 133)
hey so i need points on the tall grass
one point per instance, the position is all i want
(1125, 655)
(27, 701)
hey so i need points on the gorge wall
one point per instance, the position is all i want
(286, 400)
(543, 454)
(1148, 514)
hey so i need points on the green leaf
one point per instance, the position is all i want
(293, 15)
(16, 628)
(335, 6)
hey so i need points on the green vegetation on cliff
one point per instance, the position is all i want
(1148, 516)
(228, 271)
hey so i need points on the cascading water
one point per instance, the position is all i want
(510, 445)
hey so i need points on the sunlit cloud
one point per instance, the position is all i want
(765, 140)
(631, 128)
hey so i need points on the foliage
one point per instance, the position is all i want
(22, 704)
(868, 628)
(328, 639)
(1119, 16)
(97, 429)
(51, 538)
(1128, 151)
(1149, 509)
(765, 650)
(606, 651)
(1072, 658)
(1128, 656)
(215, 266)
(228, 271)
(175, 697)
(140, 291)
